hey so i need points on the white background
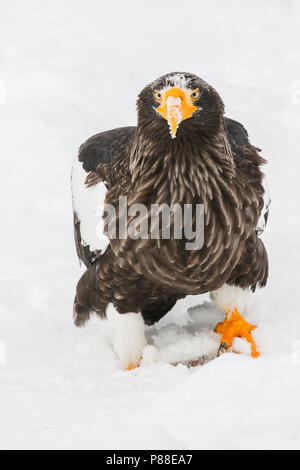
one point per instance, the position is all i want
(70, 69)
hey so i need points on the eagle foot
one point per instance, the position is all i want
(235, 326)
(132, 366)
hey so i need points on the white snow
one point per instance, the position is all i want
(178, 81)
(174, 114)
(70, 69)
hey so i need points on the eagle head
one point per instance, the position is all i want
(180, 101)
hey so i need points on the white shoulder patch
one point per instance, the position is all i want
(88, 204)
(262, 221)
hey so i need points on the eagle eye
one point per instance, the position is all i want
(196, 94)
(157, 96)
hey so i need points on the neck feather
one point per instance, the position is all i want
(179, 170)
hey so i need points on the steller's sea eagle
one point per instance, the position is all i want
(183, 151)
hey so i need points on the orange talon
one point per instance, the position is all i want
(132, 366)
(234, 326)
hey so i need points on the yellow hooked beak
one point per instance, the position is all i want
(176, 106)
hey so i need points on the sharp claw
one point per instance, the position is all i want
(222, 348)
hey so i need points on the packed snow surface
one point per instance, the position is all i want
(70, 69)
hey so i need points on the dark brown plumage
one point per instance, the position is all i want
(210, 162)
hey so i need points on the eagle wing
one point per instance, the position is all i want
(95, 170)
(239, 139)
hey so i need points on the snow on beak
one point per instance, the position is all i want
(174, 114)
(176, 106)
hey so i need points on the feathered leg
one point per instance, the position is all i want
(100, 286)
(129, 339)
